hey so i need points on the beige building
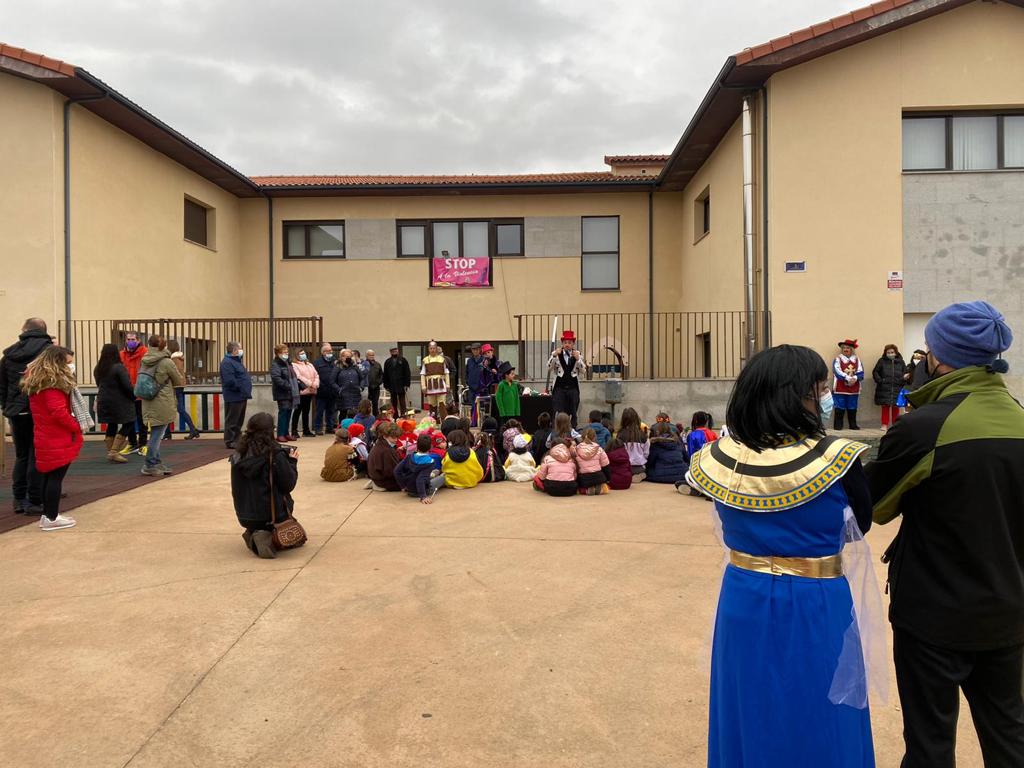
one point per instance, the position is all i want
(848, 179)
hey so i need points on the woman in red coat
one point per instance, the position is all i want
(57, 436)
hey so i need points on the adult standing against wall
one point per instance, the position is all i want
(567, 365)
(397, 378)
(115, 401)
(178, 358)
(309, 383)
(374, 380)
(131, 356)
(327, 392)
(350, 383)
(952, 468)
(285, 387)
(26, 483)
(159, 412)
(236, 391)
(889, 373)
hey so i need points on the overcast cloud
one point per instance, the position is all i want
(463, 86)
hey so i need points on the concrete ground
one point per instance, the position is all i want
(495, 627)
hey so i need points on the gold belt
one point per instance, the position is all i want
(829, 567)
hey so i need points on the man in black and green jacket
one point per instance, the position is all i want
(953, 467)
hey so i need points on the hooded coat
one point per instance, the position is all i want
(284, 383)
(235, 381)
(338, 463)
(27, 348)
(349, 379)
(413, 473)
(381, 463)
(557, 473)
(591, 461)
(57, 435)
(115, 397)
(490, 464)
(620, 470)
(461, 468)
(888, 376)
(163, 408)
(309, 379)
(520, 467)
(250, 487)
(666, 462)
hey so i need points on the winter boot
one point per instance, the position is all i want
(247, 538)
(264, 544)
(853, 419)
(114, 446)
(838, 425)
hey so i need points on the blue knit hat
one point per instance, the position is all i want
(969, 333)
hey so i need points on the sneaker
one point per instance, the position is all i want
(368, 486)
(143, 450)
(128, 450)
(61, 521)
(165, 469)
(153, 470)
(32, 509)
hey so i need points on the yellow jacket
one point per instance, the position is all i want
(460, 470)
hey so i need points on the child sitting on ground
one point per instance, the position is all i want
(383, 459)
(591, 461)
(666, 461)
(556, 475)
(338, 459)
(619, 471)
(563, 430)
(406, 437)
(602, 434)
(520, 466)
(364, 416)
(438, 444)
(488, 458)
(539, 444)
(460, 465)
(664, 418)
(511, 429)
(355, 433)
(700, 435)
(634, 436)
(419, 473)
(449, 421)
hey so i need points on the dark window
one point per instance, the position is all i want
(460, 238)
(704, 340)
(508, 238)
(600, 257)
(702, 214)
(314, 239)
(963, 141)
(195, 222)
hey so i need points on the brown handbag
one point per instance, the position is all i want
(289, 533)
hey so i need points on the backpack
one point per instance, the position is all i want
(146, 387)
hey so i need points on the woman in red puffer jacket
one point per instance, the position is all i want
(57, 435)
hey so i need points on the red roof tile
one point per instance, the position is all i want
(635, 159)
(37, 59)
(440, 181)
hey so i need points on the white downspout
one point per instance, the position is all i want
(748, 231)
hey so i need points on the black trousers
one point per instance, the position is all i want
(374, 397)
(141, 434)
(930, 680)
(125, 430)
(305, 401)
(234, 418)
(27, 484)
(398, 402)
(53, 482)
(565, 400)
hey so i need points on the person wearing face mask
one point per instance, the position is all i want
(309, 382)
(350, 380)
(849, 373)
(236, 389)
(397, 377)
(159, 412)
(374, 380)
(285, 386)
(917, 372)
(793, 505)
(327, 391)
(888, 375)
(131, 357)
(952, 469)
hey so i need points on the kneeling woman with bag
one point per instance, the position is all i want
(263, 475)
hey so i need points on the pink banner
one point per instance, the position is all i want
(469, 272)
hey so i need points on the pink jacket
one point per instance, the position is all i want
(590, 457)
(309, 379)
(558, 464)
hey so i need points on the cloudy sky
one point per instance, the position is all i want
(389, 86)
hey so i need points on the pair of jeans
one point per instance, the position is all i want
(52, 484)
(325, 412)
(27, 483)
(284, 419)
(183, 414)
(156, 434)
(305, 401)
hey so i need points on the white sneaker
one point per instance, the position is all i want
(61, 521)
(368, 486)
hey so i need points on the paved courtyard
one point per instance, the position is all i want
(497, 627)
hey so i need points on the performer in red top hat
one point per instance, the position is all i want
(849, 373)
(567, 364)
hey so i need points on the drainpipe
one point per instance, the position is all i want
(766, 338)
(650, 281)
(270, 267)
(748, 229)
(67, 208)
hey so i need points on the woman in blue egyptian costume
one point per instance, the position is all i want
(798, 625)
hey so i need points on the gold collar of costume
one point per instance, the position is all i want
(776, 478)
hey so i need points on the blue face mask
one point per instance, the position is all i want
(825, 406)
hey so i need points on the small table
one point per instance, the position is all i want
(532, 406)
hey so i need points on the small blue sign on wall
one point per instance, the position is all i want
(796, 266)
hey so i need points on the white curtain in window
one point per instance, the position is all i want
(413, 241)
(974, 143)
(1013, 141)
(474, 238)
(924, 143)
(601, 270)
(600, 233)
(446, 238)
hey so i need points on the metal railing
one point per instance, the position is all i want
(677, 345)
(203, 340)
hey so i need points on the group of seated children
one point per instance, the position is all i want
(422, 458)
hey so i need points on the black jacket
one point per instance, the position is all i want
(12, 367)
(413, 474)
(374, 375)
(350, 386)
(284, 382)
(490, 462)
(250, 487)
(115, 397)
(328, 373)
(888, 376)
(396, 374)
(952, 468)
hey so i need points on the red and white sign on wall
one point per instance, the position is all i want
(895, 281)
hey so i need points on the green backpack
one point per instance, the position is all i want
(146, 387)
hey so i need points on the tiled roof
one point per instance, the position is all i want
(37, 59)
(817, 30)
(440, 181)
(635, 159)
